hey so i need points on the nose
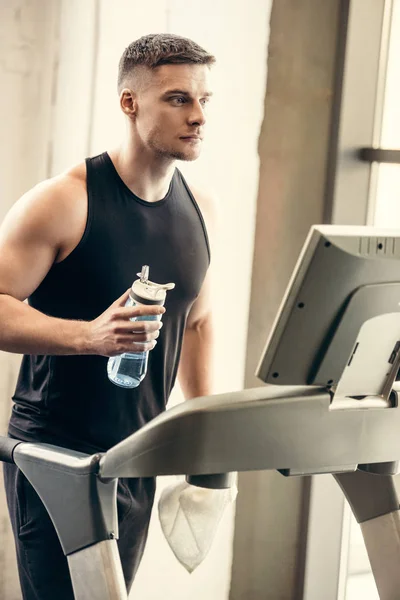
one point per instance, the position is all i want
(197, 115)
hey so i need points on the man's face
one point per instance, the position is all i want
(171, 108)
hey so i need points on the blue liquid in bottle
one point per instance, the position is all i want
(129, 369)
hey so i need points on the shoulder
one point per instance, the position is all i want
(67, 185)
(52, 193)
(51, 209)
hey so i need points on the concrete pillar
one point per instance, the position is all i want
(271, 515)
(27, 62)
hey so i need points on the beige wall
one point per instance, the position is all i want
(27, 36)
(270, 527)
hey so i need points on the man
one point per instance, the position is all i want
(74, 244)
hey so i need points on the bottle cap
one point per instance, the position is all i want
(148, 292)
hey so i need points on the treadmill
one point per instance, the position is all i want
(331, 406)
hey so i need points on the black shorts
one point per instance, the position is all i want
(42, 566)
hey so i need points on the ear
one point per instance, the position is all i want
(128, 102)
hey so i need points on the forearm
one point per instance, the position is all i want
(195, 372)
(25, 330)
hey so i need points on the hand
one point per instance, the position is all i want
(112, 333)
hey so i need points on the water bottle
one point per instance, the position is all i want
(129, 369)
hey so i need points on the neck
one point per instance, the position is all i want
(147, 176)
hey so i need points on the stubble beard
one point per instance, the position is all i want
(170, 153)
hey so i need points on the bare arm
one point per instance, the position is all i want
(32, 235)
(27, 331)
(195, 373)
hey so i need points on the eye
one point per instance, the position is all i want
(179, 99)
(204, 101)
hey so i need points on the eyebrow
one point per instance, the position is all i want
(187, 94)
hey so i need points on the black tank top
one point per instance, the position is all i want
(68, 400)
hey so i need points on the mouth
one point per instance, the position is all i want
(194, 136)
(191, 138)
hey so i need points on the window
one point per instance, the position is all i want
(385, 204)
(387, 199)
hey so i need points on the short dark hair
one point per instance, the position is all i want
(158, 49)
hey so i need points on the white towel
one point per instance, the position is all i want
(189, 517)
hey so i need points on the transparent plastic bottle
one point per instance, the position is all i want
(129, 369)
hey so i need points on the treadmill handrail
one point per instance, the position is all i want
(7, 447)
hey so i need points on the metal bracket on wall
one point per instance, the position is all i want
(380, 155)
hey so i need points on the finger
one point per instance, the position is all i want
(121, 301)
(144, 337)
(141, 336)
(138, 326)
(142, 310)
(130, 345)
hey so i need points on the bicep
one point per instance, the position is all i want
(202, 307)
(27, 247)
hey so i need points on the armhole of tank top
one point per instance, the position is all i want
(89, 218)
(199, 213)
